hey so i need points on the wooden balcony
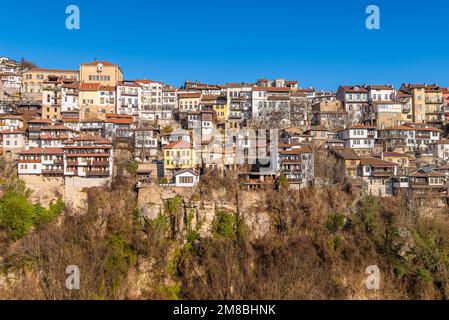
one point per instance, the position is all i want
(93, 173)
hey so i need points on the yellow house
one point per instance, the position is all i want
(179, 155)
(427, 102)
(189, 101)
(218, 104)
(102, 72)
(96, 100)
(33, 80)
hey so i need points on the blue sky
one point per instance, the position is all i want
(319, 43)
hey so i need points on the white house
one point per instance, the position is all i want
(129, 98)
(440, 149)
(358, 136)
(186, 178)
(353, 98)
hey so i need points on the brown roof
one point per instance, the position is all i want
(374, 162)
(89, 86)
(94, 63)
(51, 70)
(347, 153)
(353, 89)
(178, 145)
(293, 151)
(42, 151)
(189, 95)
(380, 87)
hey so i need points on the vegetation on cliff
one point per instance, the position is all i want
(321, 241)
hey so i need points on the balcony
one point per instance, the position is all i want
(382, 172)
(94, 173)
(72, 163)
(435, 100)
(100, 163)
(53, 171)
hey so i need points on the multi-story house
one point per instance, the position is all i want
(88, 157)
(239, 98)
(69, 101)
(41, 161)
(92, 126)
(102, 72)
(169, 99)
(350, 159)
(176, 135)
(409, 137)
(10, 121)
(118, 126)
(272, 103)
(301, 109)
(427, 102)
(440, 150)
(359, 137)
(151, 104)
(381, 92)
(33, 81)
(202, 88)
(129, 96)
(179, 155)
(353, 99)
(428, 188)
(216, 103)
(329, 114)
(96, 100)
(11, 142)
(51, 98)
(296, 163)
(378, 175)
(8, 65)
(145, 144)
(12, 83)
(189, 101)
(55, 136)
(407, 104)
(383, 114)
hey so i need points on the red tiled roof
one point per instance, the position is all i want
(94, 63)
(51, 70)
(42, 151)
(178, 145)
(89, 86)
(374, 162)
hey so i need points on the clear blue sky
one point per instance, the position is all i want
(319, 43)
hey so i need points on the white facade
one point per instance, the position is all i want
(186, 179)
(358, 137)
(129, 97)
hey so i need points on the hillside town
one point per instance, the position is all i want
(69, 124)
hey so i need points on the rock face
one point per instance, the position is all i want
(198, 215)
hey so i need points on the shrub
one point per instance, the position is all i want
(335, 222)
(17, 215)
(223, 224)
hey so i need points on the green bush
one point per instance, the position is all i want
(43, 216)
(17, 215)
(335, 222)
(224, 224)
(132, 167)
